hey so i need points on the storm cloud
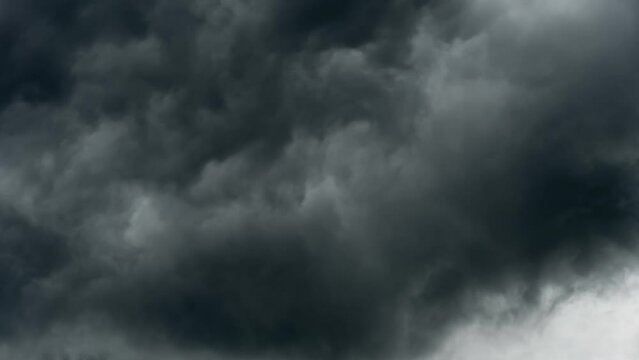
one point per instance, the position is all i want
(311, 179)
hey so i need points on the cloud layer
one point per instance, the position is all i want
(309, 179)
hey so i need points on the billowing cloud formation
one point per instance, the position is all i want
(309, 179)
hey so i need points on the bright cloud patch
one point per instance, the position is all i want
(588, 326)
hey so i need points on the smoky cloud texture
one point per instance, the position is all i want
(310, 179)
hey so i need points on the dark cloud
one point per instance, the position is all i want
(315, 179)
(38, 39)
(29, 255)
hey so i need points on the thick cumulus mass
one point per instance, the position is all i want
(311, 179)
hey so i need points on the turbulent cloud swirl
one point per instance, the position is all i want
(312, 179)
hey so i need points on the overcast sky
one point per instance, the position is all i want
(319, 179)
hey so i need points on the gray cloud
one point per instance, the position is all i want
(244, 179)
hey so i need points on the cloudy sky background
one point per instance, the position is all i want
(319, 179)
